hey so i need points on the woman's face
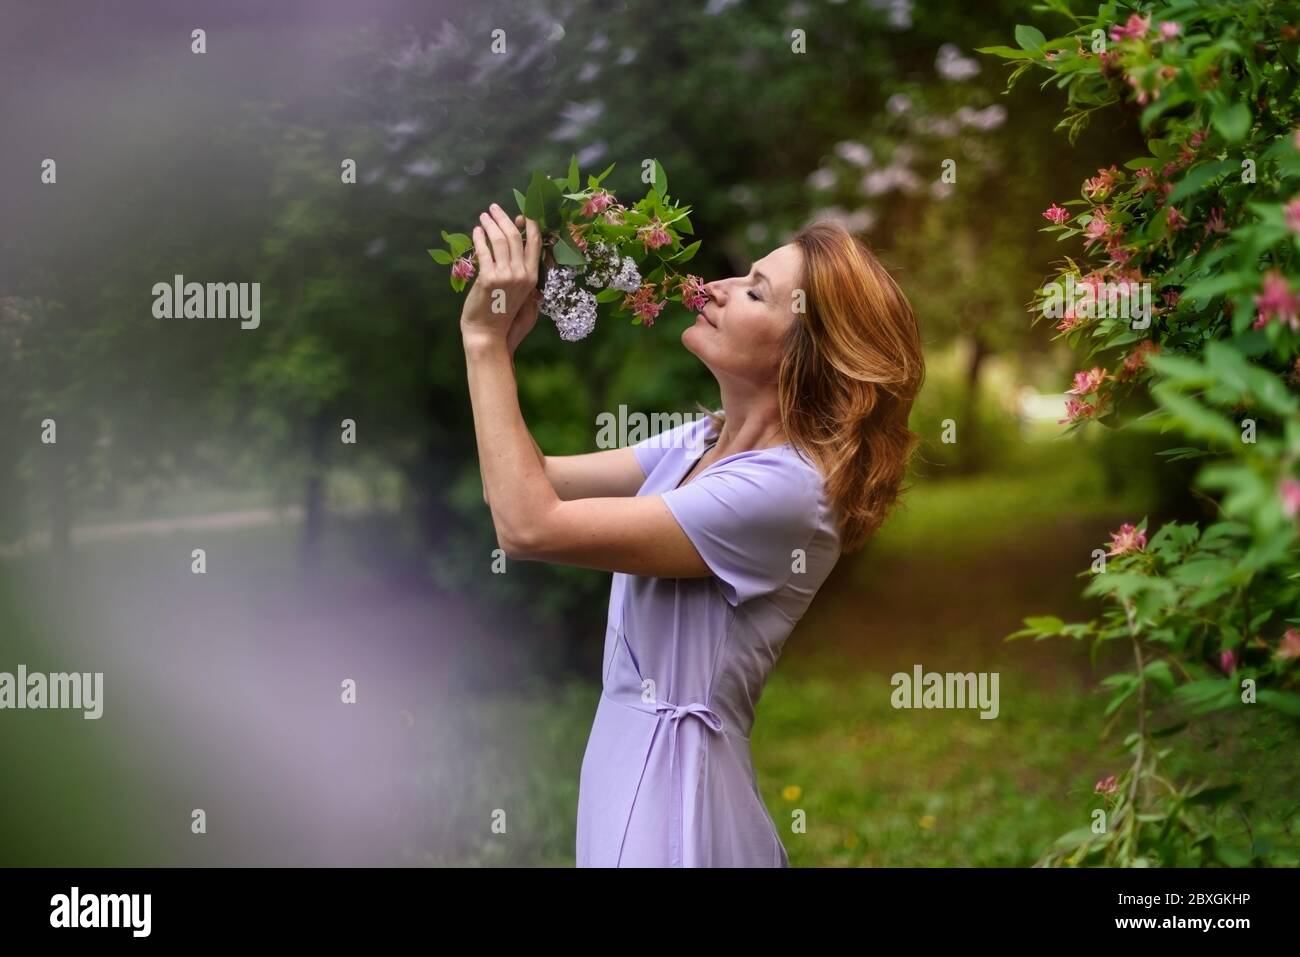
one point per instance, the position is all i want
(741, 331)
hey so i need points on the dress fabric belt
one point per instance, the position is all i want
(674, 713)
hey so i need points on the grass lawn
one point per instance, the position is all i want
(222, 693)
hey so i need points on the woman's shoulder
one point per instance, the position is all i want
(777, 482)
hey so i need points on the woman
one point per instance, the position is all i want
(716, 553)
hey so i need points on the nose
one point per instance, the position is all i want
(714, 291)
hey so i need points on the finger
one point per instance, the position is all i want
(532, 248)
(500, 248)
(511, 234)
(481, 249)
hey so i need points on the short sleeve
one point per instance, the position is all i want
(746, 518)
(688, 435)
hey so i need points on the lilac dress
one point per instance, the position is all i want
(667, 779)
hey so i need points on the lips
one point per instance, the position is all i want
(708, 320)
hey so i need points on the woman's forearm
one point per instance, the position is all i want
(510, 461)
(541, 456)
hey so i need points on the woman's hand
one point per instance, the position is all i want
(506, 281)
(526, 317)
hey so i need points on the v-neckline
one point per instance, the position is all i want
(681, 482)
(696, 461)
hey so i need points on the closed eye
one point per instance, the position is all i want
(753, 295)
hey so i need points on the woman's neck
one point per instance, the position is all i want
(752, 422)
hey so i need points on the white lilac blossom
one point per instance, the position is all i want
(607, 269)
(628, 278)
(602, 264)
(572, 309)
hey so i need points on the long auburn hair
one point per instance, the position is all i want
(851, 368)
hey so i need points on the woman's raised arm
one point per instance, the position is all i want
(612, 473)
(628, 533)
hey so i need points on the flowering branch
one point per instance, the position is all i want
(595, 249)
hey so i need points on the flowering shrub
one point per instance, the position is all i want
(1209, 219)
(594, 249)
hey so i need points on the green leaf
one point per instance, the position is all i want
(597, 180)
(661, 181)
(687, 253)
(1232, 120)
(1007, 53)
(1194, 418)
(552, 201)
(441, 257)
(1204, 290)
(459, 243)
(1158, 673)
(574, 182)
(522, 202)
(1030, 38)
(566, 251)
(1197, 177)
(1077, 838)
(534, 202)
(1288, 702)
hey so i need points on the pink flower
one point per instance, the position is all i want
(1141, 96)
(1291, 212)
(1214, 222)
(462, 268)
(642, 303)
(597, 203)
(1137, 26)
(1228, 662)
(1086, 383)
(1136, 359)
(1290, 491)
(1106, 785)
(694, 297)
(654, 235)
(1097, 228)
(1099, 186)
(1127, 539)
(614, 216)
(1276, 301)
(1170, 29)
(1290, 645)
(1175, 219)
(576, 234)
(1055, 214)
(1076, 409)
